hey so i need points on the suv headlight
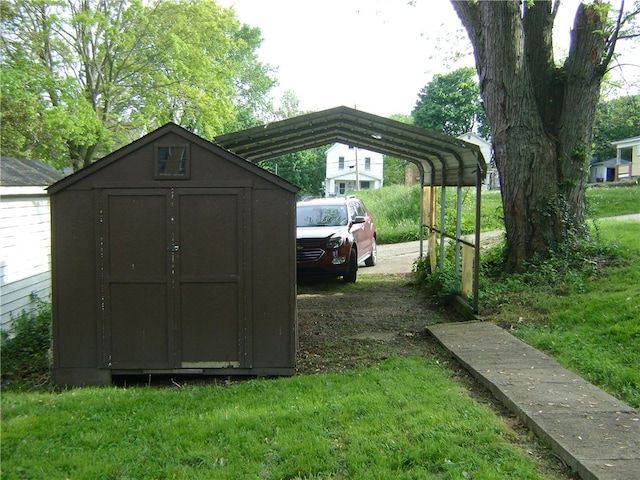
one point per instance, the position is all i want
(335, 242)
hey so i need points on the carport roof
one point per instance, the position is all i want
(446, 160)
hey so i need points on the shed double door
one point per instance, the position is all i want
(173, 278)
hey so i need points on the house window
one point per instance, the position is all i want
(340, 163)
(367, 163)
(172, 161)
(342, 188)
(365, 185)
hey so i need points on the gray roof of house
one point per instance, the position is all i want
(612, 162)
(20, 172)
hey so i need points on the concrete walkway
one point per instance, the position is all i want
(595, 434)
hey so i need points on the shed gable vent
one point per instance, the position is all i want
(172, 161)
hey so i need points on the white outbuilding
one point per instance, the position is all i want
(25, 235)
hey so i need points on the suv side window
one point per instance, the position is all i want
(359, 209)
(353, 210)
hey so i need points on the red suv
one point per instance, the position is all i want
(333, 236)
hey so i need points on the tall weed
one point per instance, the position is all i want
(396, 211)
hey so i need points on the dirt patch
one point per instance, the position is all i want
(343, 326)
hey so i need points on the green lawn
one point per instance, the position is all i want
(403, 419)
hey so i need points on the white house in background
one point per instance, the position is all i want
(348, 167)
(25, 235)
(492, 180)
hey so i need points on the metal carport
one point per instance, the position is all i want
(442, 161)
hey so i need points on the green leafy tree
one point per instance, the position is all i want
(541, 113)
(86, 76)
(451, 104)
(306, 169)
(615, 119)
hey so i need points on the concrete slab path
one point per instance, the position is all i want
(594, 433)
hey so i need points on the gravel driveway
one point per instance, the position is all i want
(394, 258)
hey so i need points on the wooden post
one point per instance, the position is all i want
(467, 270)
(433, 246)
(429, 196)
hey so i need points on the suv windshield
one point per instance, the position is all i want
(321, 216)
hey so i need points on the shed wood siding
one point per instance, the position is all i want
(193, 274)
(75, 290)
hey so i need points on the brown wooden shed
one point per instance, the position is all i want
(172, 255)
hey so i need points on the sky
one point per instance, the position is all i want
(373, 55)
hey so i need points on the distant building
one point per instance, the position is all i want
(351, 168)
(625, 165)
(492, 180)
(609, 170)
(25, 235)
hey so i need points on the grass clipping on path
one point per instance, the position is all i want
(401, 419)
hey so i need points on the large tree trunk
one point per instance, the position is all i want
(541, 116)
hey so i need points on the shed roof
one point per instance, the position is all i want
(154, 136)
(20, 172)
(446, 160)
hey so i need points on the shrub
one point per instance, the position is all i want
(567, 268)
(443, 286)
(25, 349)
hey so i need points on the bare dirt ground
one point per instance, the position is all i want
(347, 326)
(343, 326)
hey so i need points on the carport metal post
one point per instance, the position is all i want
(421, 172)
(458, 224)
(476, 260)
(443, 199)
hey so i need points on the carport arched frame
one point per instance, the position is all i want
(442, 161)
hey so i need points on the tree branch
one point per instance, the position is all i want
(612, 40)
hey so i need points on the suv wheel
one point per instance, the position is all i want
(373, 258)
(350, 276)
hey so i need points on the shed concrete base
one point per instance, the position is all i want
(82, 377)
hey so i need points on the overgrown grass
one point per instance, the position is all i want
(396, 209)
(401, 419)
